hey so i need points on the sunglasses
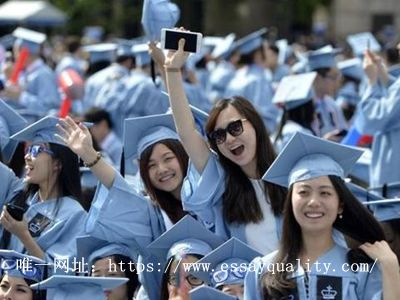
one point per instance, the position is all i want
(35, 150)
(234, 128)
(232, 273)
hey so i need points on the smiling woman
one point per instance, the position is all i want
(318, 202)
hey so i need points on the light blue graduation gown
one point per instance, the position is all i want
(102, 79)
(281, 71)
(330, 116)
(379, 112)
(348, 94)
(219, 79)
(251, 83)
(57, 238)
(120, 215)
(354, 286)
(71, 62)
(40, 88)
(196, 96)
(202, 195)
(289, 129)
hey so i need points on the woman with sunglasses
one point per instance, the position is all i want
(48, 216)
(319, 201)
(224, 185)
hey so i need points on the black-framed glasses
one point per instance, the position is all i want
(234, 128)
(35, 150)
(191, 279)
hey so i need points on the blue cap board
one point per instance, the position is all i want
(306, 157)
(251, 42)
(64, 287)
(101, 52)
(206, 292)
(352, 68)
(93, 249)
(187, 236)
(322, 58)
(124, 48)
(389, 190)
(141, 53)
(21, 265)
(42, 131)
(295, 90)
(29, 38)
(10, 123)
(228, 263)
(361, 193)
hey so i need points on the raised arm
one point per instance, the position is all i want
(79, 140)
(389, 266)
(192, 141)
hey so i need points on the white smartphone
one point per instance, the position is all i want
(170, 39)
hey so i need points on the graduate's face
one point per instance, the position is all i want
(315, 204)
(102, 268)
(185, 278)
(39, 164)
(14, 288)
(164, 169)
(235, 290)
(240, 149)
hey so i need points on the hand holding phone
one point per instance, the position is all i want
(170, 40)
(15, 211)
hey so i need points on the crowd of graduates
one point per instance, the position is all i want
(245, 156)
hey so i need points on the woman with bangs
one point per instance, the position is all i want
(223, 186)
(318, 202)
(44, 216)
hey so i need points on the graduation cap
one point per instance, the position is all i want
(124, 48)
(352, 68)
(187, 236)
(385, 209)
(306, 157)
(141, 53)
(29, 38)
(21, 265)
(101, 52)
(295, 90)
(206, 292)
(158, 14)
(42, 131)
(142, 132)
(224, 47)
(93, 249)
(301, 65)
(10, 123)
(64, 287)
(322, 58)
(251, 42)
(228, 263)
(359, 43)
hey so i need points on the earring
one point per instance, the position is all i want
(340, 216)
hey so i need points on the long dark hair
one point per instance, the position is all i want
(302, 115)
(165, 200)
(357, 223)
(240, 203)
(68, 183)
